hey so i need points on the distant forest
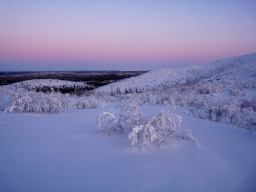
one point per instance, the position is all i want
(98, 78)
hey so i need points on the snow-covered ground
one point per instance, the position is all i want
(62, 153)
(51, 141)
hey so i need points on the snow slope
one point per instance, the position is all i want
(150, 80)
(62, 153)
(236, 68)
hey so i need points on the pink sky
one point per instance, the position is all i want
(177, 33)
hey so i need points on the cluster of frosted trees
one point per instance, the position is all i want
(143, 132)
(20, 101)
(90, 102)
(236, 111)
(227, 103)
(38, 102)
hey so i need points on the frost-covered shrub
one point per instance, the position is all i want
(159, 129)
(141, 99)
(234, 91)
(253, 101)
(144, 136)
(130, 117)
(183, 134)
(107, 122)
(232, 110)
(248, 102)
(166, 123)
(7, 97)
(200, 106)
(250, 84)
(107, 98)
(147, 98)
(39, 103)
(251, 126)
(221, 109)
(5, 101)
(169, 99)
(242, 117)
(127, 100)
(208, 88)
(90, 102)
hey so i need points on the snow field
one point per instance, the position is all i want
(62, 153)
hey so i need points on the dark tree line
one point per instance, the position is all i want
(92, 78)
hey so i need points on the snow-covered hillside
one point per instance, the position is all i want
(150, 80)
(223, 91)
(40, 84)
(233, 69)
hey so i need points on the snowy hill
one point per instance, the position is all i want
(151, 80)
(223, 91)
(48, 85)
(232, 69)
(236, 68)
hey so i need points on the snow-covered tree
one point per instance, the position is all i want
(165, 123)
(130, 117)
(232, 110)
(90, 102)
(39, 103)
(144, 136)
(234, 91)
(159, 129)
(107, 122)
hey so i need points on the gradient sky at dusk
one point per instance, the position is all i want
(123, 35)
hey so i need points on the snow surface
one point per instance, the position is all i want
(231, 69)
(62, 153)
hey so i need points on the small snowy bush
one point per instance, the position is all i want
(5, 101)
(208, 89)
(89, 102)
(144, 136)
(107, 122)
(130, 117)
(183, 134)
(165, 123)
(234, 91)
(162, 128)
(158, 130)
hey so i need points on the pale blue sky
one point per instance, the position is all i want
(89, 35)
